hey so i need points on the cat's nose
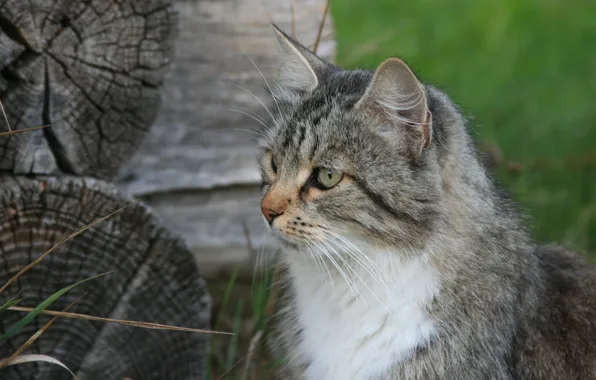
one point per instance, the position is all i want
(274, 203)
(270, 214)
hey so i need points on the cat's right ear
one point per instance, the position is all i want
(300, 68)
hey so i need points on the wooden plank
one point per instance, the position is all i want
(197, 168)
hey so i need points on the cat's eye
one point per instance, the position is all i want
(328, 178)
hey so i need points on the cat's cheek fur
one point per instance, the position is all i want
(361, 331)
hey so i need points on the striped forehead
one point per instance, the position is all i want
(305, 116)
(305, 125)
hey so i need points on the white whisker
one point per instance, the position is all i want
(253, 116)
(252, 94)
(368, 266)
(266, 82)
(363, 260)
(347, 265)
(353, 289)
(322, 259)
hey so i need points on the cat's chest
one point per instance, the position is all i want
(357, 331)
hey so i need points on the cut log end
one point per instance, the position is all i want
(90, 69)
(154, 279)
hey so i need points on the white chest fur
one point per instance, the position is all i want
(358, 331)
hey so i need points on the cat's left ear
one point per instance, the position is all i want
(399, 100)
(300, 68)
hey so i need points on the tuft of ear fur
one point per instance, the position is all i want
(399, 100)
(300, 68)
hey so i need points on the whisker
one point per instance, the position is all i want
(369, 266)
(356, 249)
(361, 280)
(261, 262)
(252, 94)
(253, 116)
(319, 257)
(379, 274)
(266, 82)
(351, 284)
(245, 130)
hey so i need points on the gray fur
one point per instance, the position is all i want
(508, 308)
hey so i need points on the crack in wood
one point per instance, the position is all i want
(13, 32)
(56, 147)
(93, 74)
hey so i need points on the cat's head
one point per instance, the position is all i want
(351, 154)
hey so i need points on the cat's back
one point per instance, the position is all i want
(557, 331)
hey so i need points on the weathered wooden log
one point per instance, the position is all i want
(92, 69)
(154, 279)
(197, 168)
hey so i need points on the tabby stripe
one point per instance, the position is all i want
(380, 202)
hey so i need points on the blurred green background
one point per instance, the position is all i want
(524, 72)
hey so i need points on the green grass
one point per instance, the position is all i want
(525, 71)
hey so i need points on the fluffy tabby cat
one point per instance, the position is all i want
(401, 258)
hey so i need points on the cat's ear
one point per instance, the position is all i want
(399, 100)
(300, 68)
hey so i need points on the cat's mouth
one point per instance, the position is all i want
(295, 233)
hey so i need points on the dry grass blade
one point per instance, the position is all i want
(16, 328)
(34, 337)
(40, 358)
(321, 26)
(254, 342)
(5, 118)
(10, 133)
(64, 240)
(145, 325)
(251, 350)
(324, 38)
(223, 375)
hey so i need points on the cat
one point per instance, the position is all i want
(401, 259)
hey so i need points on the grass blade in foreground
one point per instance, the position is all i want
(4, 363)
(40, 358)
(233, 347)
(64, 240)
(5, 118)
(10, 133)
(41, 307)
(10, 303)
(144, 325)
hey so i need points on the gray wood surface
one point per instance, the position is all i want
(197, 168)
(154, 279)
(92, 69)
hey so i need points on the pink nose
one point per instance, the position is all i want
(270, 214)
(274, 203)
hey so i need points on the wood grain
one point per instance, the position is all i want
(92, 69)
(155, 279)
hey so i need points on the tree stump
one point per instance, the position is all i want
(197, 169)
(92, 69)
(154, 279)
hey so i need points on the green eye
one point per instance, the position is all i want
(328, 178)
